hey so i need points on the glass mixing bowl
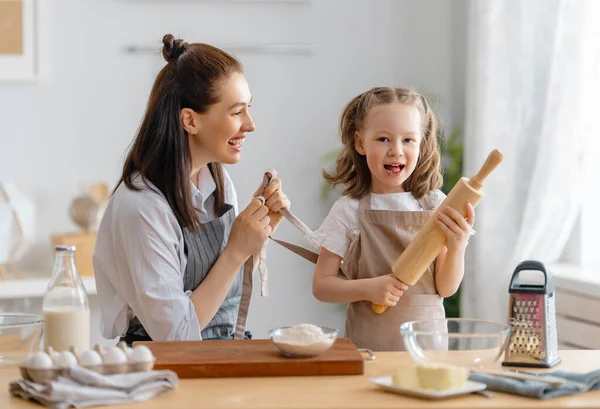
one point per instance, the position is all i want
(20, 335)
(455, 341)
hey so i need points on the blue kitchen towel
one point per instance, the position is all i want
(576, 383)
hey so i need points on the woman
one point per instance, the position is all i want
(172, 260)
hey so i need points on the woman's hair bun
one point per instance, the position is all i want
(173, 48)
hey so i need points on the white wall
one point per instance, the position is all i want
(75, 125)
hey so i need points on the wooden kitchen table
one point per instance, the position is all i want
(331, 391)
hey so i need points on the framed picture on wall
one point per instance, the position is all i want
(18, 40)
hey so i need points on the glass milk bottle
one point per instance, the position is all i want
(66, 307)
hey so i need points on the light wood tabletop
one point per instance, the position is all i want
(331, 391)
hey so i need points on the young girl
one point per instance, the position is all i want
(390, 168)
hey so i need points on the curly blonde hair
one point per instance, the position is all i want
(351, 169)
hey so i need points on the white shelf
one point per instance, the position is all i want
(35, 287)
(264, 49)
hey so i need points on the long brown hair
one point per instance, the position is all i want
(160, 152)
(352, 170)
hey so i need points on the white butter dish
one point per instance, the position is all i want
(385, 383)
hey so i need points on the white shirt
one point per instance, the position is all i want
(139, 260)
(341, 225)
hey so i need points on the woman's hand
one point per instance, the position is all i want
(456, 227)
(384, 290)
(249, 231)
(275, 200)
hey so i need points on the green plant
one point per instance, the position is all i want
(452, 154)
(328, 159)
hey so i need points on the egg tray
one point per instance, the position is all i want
(45, 375)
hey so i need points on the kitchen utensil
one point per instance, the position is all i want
(534, 338)
(455, 341)
(20, 335)
(295, 349)
(430, 240)
(250, 358)
(386, 384)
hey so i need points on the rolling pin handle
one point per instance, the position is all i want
(493, 160)
(378, 309)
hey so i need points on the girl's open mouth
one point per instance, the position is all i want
(394, 168)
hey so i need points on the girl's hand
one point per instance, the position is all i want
(384, 290)
(456, 227)
(275, 200)
(249, 231)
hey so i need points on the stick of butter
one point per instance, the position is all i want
(433, 376)
(440, 376)
(406, 378)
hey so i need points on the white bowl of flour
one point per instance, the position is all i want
(303, 340)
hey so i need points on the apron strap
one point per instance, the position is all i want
(426, 202)
(291, 217)
(301, 251)
(298, 224)
(262, 264)
(304, 253)
(240, 325)
(364, 203)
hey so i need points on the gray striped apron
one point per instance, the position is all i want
(203, 248)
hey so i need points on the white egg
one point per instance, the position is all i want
(129, 351)
(114, 355)
(90, 358)
(65, 359)
(40, 360)
(54, 355)
(142, 353)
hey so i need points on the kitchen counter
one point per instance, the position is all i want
(331, 391)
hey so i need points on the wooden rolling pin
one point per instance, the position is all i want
(430, 240)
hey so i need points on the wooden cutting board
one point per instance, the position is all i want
(245, 358)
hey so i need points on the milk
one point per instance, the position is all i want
(66, 326)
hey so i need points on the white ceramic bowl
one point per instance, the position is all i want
(300, 350)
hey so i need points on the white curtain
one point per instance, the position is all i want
(532, 76)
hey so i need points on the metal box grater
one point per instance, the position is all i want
(533, 340)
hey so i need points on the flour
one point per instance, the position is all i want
(303, 334)
(304, 340)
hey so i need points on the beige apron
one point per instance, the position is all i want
(383, 236)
